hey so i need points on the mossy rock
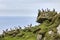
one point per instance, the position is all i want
(20, 35)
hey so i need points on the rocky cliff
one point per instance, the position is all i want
(48, 29)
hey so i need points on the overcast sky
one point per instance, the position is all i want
(26, 7)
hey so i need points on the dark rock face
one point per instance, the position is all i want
(36, 30)
(53, 19)
(45, 15)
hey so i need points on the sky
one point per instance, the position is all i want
(26, 7)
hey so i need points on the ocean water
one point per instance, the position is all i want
(11, 22)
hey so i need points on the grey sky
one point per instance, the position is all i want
(26, 7)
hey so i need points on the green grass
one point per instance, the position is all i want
(45, 27)
(27, 36)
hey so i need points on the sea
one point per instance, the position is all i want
(7, 22)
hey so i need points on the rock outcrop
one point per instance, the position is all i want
(49, 21)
